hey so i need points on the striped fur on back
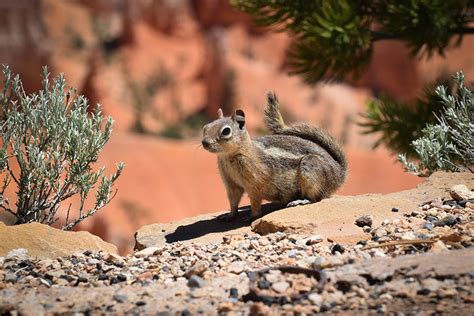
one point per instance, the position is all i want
(276, 125)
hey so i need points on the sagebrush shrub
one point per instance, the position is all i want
(449, 144)
(52, 140)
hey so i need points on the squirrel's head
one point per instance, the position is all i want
(226, 134)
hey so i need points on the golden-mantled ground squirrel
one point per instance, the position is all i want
(297, 164)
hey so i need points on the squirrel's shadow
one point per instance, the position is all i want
(215, 225)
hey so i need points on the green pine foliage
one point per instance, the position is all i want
(447, 145)
(49, 143)
(335, 39)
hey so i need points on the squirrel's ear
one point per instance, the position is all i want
(220, 114)
(239, 118)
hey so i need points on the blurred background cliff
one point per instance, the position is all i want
(162, 68)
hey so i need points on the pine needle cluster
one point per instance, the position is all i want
(334, 39)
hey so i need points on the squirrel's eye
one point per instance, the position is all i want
(225, 131)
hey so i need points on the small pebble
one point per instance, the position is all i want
(380, 232)
(11, 277)
(315, 299)
(17, 254)
(196, 281)
(428, 225)
(236, 267)
(45, 282)
(365, 220)
(315, 239)
(408, 236)
(234, 293)
(197, 269)
(450, 203)
(438, 246)
(280, 287)
(461, 192)
(225, 307)
(337, 248)
(263, 284)
(102, 277)
(150, 251)
(448, 220)
(120, 298)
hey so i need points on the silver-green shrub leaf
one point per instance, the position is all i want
(449, 144)
(53, 142)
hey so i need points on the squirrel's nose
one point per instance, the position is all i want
(206, 143)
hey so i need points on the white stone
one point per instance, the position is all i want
(315, 299)
(236, 267)
(461, 192)
(315, 239)
(273, 276)
(19, 253)
(150, 251)
(377, 253)
(408, 236)
(438, 246)
(263, 241)
(280, 287)
(380, 232)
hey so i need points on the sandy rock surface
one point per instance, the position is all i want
(42, 241)
(444, 284)
(278, 273)
(333, 217)
(419, 262)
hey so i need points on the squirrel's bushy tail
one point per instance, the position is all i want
(273, 117)
(276, 125)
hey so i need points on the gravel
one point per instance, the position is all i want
(365, 220)
(214, 278)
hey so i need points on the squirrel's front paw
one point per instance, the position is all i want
(253, 217)
(228, 217)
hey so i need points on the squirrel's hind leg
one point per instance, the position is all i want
(315, 178)
(255, 206)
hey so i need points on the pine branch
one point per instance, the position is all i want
(380, 36)
(334, 39)
(463, 30)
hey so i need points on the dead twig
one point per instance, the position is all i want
(402, 242)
